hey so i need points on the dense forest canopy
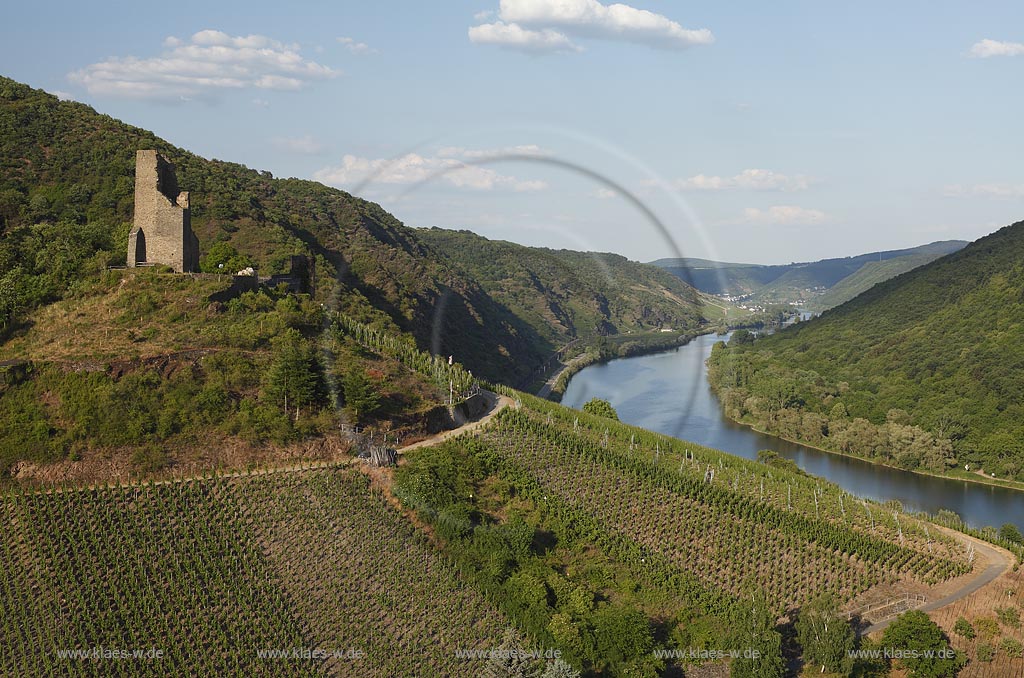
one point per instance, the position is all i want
(923, 371)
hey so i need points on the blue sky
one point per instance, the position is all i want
(764, 132)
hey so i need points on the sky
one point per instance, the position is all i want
(742, 131)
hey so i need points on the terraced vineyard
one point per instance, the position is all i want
(729, 520)
(215, 572)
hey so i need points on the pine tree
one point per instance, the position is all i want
(360, 395)
(293, 377)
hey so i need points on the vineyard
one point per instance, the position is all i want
(214, 572)
(731, 520)
(584, 534)
(445, 376)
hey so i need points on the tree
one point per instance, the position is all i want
(360, 395)
(623, 637)
(826, 638)
(758, 641)
(508, 660)
(923, 647)
(775, 394)
(600, 408)
(294, 375)
(741, 337)
(12, 295)
(223, 258)
(1009, 532)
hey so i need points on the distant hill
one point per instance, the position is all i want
(564, 294)
(796, 283)
(866, 277)
(924, 370)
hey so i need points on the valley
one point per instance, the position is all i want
(315, 449)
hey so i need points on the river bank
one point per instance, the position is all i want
(967, 477)
(555, 386)
(668, 392)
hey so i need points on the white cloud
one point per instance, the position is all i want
(356, 47)
(483, 15)
(513, 36)
(991, 48)
(783, 215)
(604, 193)
(1002, 191)
(62, 95)
(413, 168)
(544, 25)
(305, 145)
(260, 103)
(748, 179)
(208, 62)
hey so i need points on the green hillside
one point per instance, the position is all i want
(866, 277)
(564, 294)
(923, 371)
(66, 201)
(139, 371)
(719, 277)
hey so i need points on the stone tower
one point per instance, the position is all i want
(162, 233)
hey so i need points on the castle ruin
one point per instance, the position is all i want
(162, 231)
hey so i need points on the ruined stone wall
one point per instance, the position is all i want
(162, 232)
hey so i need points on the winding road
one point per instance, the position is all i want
(998, 559)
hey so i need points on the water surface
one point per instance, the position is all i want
(669, 393)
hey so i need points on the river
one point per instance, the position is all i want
(669, 393)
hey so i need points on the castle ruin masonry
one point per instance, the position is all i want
(162, 230)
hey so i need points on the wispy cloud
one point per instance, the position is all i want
(453, 165)
(546, 26)
(304, 145)
(513, 36)
(356, 47)
(986, 48)
(998, 190)
(207, 63)
(783, 215)
(748, 179)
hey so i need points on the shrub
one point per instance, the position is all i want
(600, 408)
(963, 628)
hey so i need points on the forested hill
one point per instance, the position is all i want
(565, 294)
(866, 277)
(799, 283)
(66, 201)
(938, 349)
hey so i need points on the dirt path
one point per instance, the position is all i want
(998, 561)
(498, 403)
